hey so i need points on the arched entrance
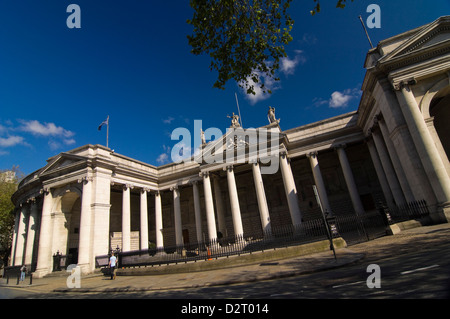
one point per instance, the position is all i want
(440, 110)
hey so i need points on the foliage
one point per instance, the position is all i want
(7, 188)
(340, 4)
(244, 38)
(240, 36)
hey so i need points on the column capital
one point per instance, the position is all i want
(31, 200)
(404, 84)
(228, 168)
(342, 146)
(44, 191)
(85, 180)
(312, 154)
(145, 190)
(126, 186)
(204, 174)
(174, 188)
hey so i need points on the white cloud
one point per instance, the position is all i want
(163, 158)
(70, 141)
(176, 154)
(47, 129)
(260, 95)
(180, 151)
(53, 145)
(339, 100)
(342, 99)
(11, 141)
(288, 65)
(168, 120)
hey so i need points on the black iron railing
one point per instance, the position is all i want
(414, 210)
(278, 237)
(353, 228)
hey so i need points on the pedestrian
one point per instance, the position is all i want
(23, 271)
(112, 266)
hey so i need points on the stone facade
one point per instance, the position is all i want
(393, 150)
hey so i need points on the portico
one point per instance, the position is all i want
(393, 150)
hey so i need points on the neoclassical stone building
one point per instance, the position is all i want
(393, 150)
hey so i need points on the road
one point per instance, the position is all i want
(424, 275)
(421, 274)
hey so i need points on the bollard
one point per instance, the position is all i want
(31, 279)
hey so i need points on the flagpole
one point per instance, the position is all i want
(367, 33)
(237, 102)
(107, 131)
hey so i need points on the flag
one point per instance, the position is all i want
(105, 122)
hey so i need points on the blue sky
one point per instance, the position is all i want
(131, 60)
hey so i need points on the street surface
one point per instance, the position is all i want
(412, 266)
(421, 275)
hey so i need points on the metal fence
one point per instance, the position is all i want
(353, 228)
(285, 236)
(414, 210)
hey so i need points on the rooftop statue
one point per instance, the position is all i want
(271, 116)
(234, 120)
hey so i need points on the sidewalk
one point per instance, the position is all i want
(404, 242)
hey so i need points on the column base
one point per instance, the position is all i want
(86, 269)
(444, 212)
(41, 273)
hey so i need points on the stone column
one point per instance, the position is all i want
(143, 220)
(234, 202)
(44, 262)
(100, 210)
(350, 180)
(211, 220)
(14, 239)
(396, 162)
(31, 234)
(262, 201)
(21, 235)
(177, 216)
(126, 219)
(428, 153)
(220, 208)
(158, 222)
(313, 160)
(380, 173)
(290, 189)
(84, 245)
(197, 212)
(394, 185)
(403, 144)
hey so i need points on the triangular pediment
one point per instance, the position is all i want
(419, 40)
(239, 142)
(61, 161)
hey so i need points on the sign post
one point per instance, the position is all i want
(330, 230)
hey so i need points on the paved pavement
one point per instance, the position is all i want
(406, 241)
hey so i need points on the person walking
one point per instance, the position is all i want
(23, 271)
(112, 266)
